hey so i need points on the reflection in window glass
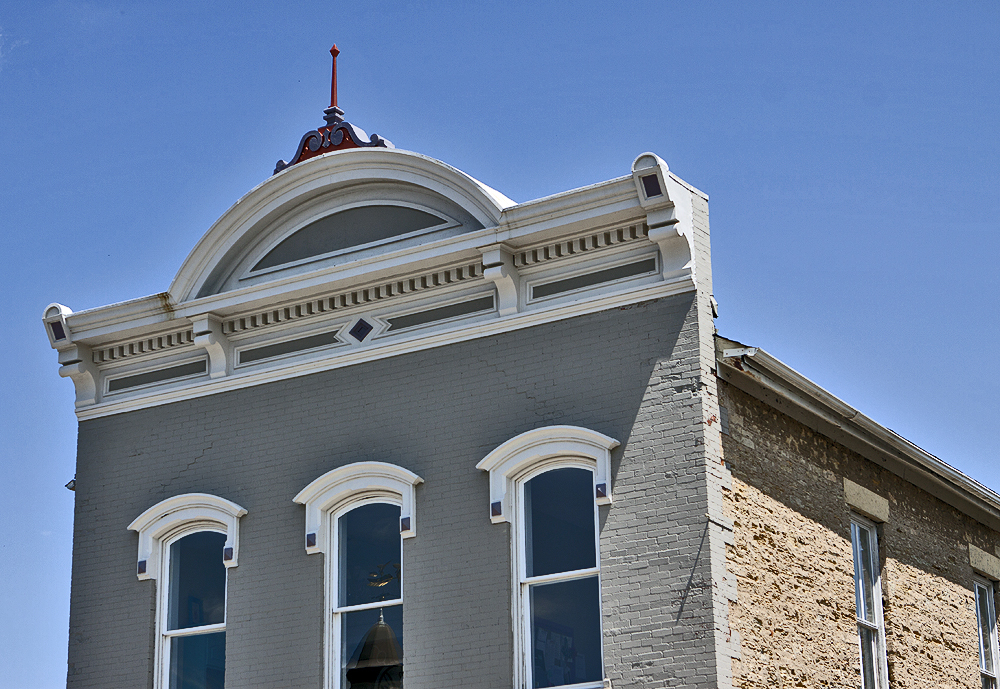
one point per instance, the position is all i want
(369, 611)
(867, 599)
(197, 581)
(370, 568)
(566, 632)
(196, 600)
(372, 648)
(987, 622)
(559, 510)
(198, 662)
(560, 583)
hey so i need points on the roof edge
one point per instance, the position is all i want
(764, 377)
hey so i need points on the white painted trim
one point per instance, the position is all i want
(328, 172)
(523, 453)
(162, 520)
(406, 343)
(521, 610)
(329, 492)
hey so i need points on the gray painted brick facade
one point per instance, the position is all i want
(634, 373)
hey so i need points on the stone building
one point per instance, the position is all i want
(387, 426)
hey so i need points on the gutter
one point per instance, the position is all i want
(760, 375)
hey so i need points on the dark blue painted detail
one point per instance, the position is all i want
(361, 330)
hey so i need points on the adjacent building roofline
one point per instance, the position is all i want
(759, 374)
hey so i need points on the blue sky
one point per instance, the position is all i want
(851, 152)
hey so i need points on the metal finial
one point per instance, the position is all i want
(333, 81)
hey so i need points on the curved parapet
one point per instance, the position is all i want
(307, 192)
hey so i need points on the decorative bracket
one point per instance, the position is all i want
(208, 335)
(669, 215)
(77, 360)
(498, 267)
(78, 365)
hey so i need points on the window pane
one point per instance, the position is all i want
(863, 572)
(559, 514)
(987, 662)
(197, 581)
(989, 682)
(566, 632)
(370, 550)
(869, 652)
(198, 662)
(372, 648)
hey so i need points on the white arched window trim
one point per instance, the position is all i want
(329, 493)
(530, 450)
(185, 513)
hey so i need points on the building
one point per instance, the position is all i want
(388, 425)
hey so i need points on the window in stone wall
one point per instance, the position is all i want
(986, 619)
(868, 604)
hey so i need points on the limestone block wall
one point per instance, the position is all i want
(792, 559)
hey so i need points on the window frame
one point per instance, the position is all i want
(511, 464)
(881, 671)
(328, 497)
(989, 590)
(164, 636)
(522, 583)
(165, 523)
(333, 611)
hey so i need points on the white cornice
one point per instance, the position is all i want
(761, 375)
(599, 206)
(414, 342)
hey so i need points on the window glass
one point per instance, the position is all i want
(566, 632)
(986, 621)
(369, 614)
(559, 510)
(864, 574)
(867, 597)
(198, 662)
(372, 648)
(370, 568)
(560, 585)
(197, 581)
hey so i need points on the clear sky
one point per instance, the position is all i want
(850, 150)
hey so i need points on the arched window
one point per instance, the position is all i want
(193, 617)
(367, 611)
(559, 577)
(359, 515)
(548, 482)
(187, 543)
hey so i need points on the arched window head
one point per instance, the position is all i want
(542, 446)
(548, 483)
(188, 512)
(359, 515)
(187, 542)
(336, 488)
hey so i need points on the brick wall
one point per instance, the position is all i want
(792, 559)
(633, 373)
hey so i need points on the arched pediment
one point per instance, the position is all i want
(333, 209)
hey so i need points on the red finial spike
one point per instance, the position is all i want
(333, 81)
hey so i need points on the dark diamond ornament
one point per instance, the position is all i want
(361, 330)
